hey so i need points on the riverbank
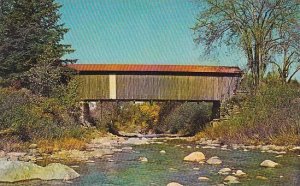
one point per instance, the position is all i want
(94, 148)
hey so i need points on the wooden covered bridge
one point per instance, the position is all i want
(123, 82)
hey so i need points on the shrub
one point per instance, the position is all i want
(271, 116)
(140, 117)
(186, 119)
(32, 117)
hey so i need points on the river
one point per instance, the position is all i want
(124, 168)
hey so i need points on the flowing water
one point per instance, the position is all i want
(123, 168)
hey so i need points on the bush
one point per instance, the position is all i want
(33, 117)
(271, 116)
(186, 118)
(140, 117)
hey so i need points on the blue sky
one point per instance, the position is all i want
(137, 32)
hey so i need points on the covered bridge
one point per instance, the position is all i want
(156, 82)
(124, 82)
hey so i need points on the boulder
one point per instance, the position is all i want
(2, 154)
(117, 150)
(209, 147)
(98, 153)
(224, 171)
(162, 152)
(214, 161)
(297, 148)
(75, 155)
(174, 184)
(127, 148)
(231, 179)
(15, 155)
(269, 164)
(143, 159)
(203, 178)
(28, 158)
(239, 173)
(137, 141)
(33, 146)
(195, 156)
(261, 178)
(13, 171)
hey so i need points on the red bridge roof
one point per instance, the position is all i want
(153, 68)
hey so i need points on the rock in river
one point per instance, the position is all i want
(13, 171)
(214, 160)
(231, 179)
(136, 141)
(195, 156)
(239, 173)
(261, 178)
(162, 152)
(203, 178)
(143, 159)
(224, 171)
(174, 184)
(269, 163)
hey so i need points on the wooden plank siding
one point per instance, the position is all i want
(93, 87)
(183, 87)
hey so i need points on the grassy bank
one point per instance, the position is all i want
(272, 116)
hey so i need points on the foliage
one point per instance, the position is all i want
(168, 117)
(258, 27)
(140, 117)
(33, 117)
(30, 33)
(104, 114)
(43, 102)
(186, 118)
(271, 116)
(43, 79)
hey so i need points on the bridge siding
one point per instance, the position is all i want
(94, 86)
(159, 87)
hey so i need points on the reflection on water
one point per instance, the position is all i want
(125, 169)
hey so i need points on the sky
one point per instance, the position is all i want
(138, 32)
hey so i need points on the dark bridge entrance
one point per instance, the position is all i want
(122, 82)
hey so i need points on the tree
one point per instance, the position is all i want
(286, 54)
(29, 31)
(252, 25)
